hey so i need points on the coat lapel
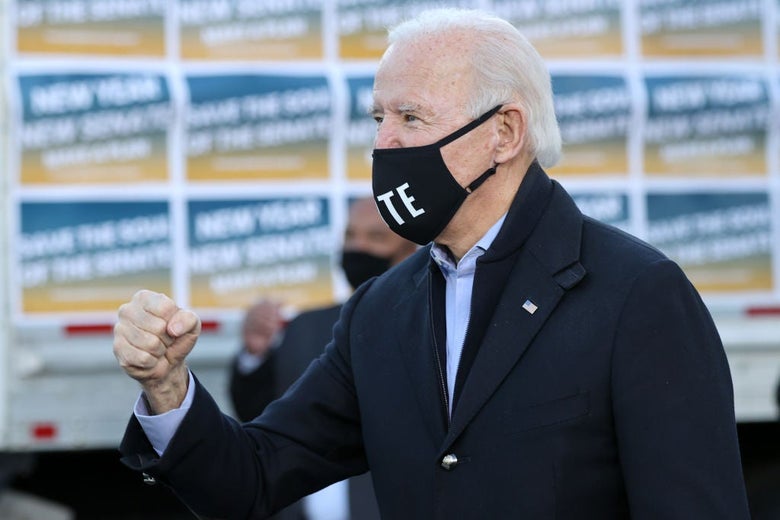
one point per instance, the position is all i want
(510, 332)
(535, 259)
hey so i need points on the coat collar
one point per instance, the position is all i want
(555, 241)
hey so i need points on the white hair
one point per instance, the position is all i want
(506, 69)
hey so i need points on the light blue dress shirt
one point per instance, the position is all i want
(459, 284)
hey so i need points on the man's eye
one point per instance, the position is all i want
(378, 119)
(409, 118)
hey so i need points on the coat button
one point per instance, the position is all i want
(148, 479)
(449, 461)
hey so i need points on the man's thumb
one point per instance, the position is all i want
(183, 322)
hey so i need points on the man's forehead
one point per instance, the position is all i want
(435, 47)
(410, 90)
(410, 81)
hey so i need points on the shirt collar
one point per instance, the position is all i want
(442, 257)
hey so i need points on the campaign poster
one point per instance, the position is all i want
(90, 27)
(566, 29)
(248, 126)
(362, 24)
(723, 241)
(609, 207)
(361, 128)
(250, 30)
(594, 115)
(243, 250)
(705, 28)
(712, 126)
(87, 256)
(106, 127)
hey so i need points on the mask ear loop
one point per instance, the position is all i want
(482, 178)
(468, 128)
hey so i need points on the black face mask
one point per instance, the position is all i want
(415, 192)
(359, 266)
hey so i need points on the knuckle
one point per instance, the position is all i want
(145, 360)
(139, 359)
(147, 341)
(141, 295)
(124, 311)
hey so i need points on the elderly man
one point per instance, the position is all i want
(529, 363)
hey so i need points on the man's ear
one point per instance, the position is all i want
(511, 133)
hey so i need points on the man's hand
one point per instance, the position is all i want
(151, 341)
(262, 324)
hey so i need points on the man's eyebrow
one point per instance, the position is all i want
(402, 108)
(409, 107)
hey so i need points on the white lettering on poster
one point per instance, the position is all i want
(269, 249)
(33, 13)
(95, 250)
(716, 235)
(64, 97)
(246, 220)
(260, 120)
(96, 121)
(658, 17)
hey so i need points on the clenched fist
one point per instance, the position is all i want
(151, 341)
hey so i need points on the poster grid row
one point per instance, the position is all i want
(238, 167)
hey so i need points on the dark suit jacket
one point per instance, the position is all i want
(612, 400)
(304, 339)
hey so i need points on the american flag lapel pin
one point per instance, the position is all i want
(530, 307)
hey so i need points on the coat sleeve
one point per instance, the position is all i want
(673, 404)
(301, 443)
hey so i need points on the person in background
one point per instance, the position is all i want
(528, 362)
(271, 360)
(252, 375)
